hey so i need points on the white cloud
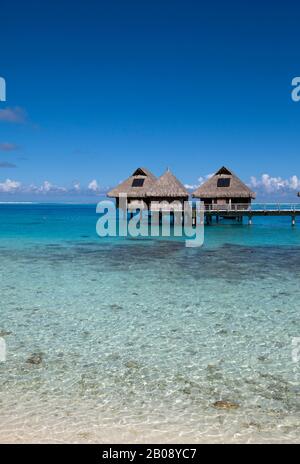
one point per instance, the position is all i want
(48, 187)
(269, 184)
(264, 185)
(201, 181)
(294, 183)
(10, 186)
(76, 186)
(191, 186)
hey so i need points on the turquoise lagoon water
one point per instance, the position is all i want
(139, 338)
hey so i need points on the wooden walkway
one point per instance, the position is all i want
(240, 211)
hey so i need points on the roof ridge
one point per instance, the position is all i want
(169, 185)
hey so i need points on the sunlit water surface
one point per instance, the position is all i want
(139, 338)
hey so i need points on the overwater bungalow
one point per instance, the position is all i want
(135, 187)
(224, 189)
(143, 185)
(168, 189)
(224, 196)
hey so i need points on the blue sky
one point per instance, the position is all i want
(97, 88)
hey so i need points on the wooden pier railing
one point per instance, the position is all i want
(239, 211)
(255, 208)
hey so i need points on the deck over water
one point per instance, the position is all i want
(253, 210)
(236, 211)
(239, 211)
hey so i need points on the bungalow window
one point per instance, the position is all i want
(138, 182)
(224, 182)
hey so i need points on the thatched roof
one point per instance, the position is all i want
(224, 184)
(136, 186)
(167, 186)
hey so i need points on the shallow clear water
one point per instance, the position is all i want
(139, 338)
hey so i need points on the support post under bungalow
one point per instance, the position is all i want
(172, 218)
(208, 219)
(160, 217)
(293, 221)
(250, 220)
